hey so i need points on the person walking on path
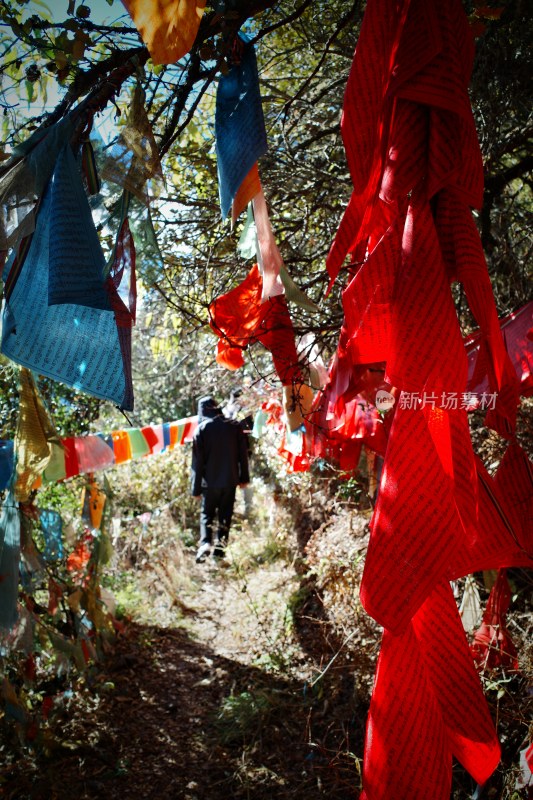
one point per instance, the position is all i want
(219, 465)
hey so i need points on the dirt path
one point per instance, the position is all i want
(208, 696)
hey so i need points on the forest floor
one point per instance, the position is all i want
(248, 679)
(217, 684)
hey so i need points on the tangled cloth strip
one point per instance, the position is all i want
(416, 170)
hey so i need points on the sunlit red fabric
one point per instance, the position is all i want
(514, 482)
(72, 466)
(239, 319)
(423, 711)
(492, 645)
(339, 437)
(517, 330)
(416, 170)
(168, 27)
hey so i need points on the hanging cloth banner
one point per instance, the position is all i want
(517, 330)
(416, 170)
(23, 180)
(93, 453)
(492, 645)
(427, 724)
(76, 262)
(138, 445)
(35, 436)
(7, 463)
(168, 28)
(52, 528)
(249, 247)
(9, 561)
(268, 255)
(134, 159)
(239, 123)
(239, 319)
(73, 344)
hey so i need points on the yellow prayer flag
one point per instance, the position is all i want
(34, 437)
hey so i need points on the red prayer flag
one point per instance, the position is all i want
(239, 319)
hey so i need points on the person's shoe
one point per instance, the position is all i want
(220, 549)
(203, 552)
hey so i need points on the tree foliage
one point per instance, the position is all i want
(53, 60)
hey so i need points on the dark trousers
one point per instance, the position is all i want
(216, 504)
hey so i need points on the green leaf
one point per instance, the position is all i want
(30, 91)
(43, 81)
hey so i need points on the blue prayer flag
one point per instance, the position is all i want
(52, 528)
(9, 561)
(74, 344)
(239, 125)
(76, 260)
(6, 462)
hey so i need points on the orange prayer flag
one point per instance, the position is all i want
(168, 27)
(248, 189)
(121, 446)
(176, 431)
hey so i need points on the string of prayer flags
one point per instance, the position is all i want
(239, 123)
(168, 27)
(75, 455)
(74, 344)
(34, 437)
(9, 560)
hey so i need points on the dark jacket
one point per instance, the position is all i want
(219, 450)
